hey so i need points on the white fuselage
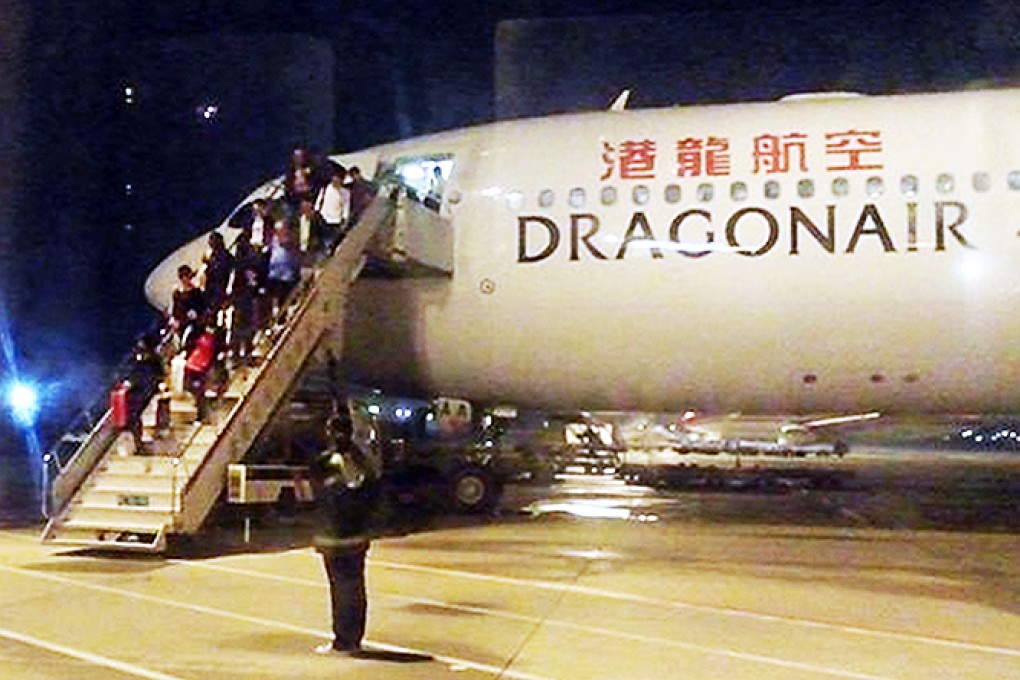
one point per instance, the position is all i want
(592, 269)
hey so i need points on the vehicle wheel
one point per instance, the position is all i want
(473, 490)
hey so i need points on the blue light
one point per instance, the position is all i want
(23, 401)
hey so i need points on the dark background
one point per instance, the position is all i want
(76, 243)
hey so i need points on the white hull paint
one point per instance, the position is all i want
(915, 309)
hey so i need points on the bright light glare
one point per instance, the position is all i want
(581, 509)
(412, 173)
(207, 112)
(23, 402)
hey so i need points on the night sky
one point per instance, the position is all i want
(76, 243)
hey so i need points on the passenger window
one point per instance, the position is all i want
(576, 198)
(738, 191)
(805, 188)
(982, 181)
(705, 192)
(908, 185)
(608, 195)
(771, 189)
(840, 186)
(945, 183)
(874, 187)
(1013, 180)
(546, 198)
(515, 199)
(640, 194)
(672, 194)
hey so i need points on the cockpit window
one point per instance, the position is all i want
(422, 178)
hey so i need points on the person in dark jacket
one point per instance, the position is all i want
(347, 485)
(362, 193)
(188, 303)
(245, 293)
(219, 264)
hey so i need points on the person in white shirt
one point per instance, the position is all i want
(260, 226)
(334, 204)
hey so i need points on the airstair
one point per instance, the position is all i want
(110, 495)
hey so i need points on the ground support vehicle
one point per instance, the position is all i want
(729, 472)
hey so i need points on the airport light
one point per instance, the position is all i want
(23, 402)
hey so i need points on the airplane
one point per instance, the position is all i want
(828, 253)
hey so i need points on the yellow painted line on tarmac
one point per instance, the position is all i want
(88, 657)
(269, 623)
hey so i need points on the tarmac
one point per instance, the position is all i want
(903, 575)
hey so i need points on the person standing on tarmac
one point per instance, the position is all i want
(347, 485)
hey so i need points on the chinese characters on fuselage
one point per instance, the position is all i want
(711, 156)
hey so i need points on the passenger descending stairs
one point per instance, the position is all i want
(109, 496)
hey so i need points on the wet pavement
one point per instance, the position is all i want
(908, 571)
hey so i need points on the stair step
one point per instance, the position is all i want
(129, 497)
(134, 540)
(138, 465)
(103, 493)
(131, 502)
(118, 516)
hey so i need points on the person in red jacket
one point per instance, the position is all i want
(196, 370)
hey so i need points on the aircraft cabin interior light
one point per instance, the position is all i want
(412, 173)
